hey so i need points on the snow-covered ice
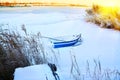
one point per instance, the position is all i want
(36, 72)
(98, 43)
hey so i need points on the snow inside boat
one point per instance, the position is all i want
(67, 42)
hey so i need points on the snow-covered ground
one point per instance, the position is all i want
(35, 72)
(98, 43)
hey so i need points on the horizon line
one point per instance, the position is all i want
(40, 4)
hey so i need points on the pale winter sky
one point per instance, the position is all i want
(86, 2)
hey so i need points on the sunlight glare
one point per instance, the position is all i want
(107, 3)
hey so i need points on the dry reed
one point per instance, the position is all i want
(94, 72)
(106, 17)
(19, 51)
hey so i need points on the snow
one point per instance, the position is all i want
(98, 43)
(35, 72)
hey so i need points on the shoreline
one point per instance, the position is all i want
(6, 4)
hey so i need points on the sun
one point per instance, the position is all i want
(107, 3)
(112, 4)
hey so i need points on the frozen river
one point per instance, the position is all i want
(98, 43)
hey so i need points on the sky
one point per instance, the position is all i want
(84, 2)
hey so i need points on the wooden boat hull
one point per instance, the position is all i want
(66, 43)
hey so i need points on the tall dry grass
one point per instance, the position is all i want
(106, 17)
(11, 55)
(93, 72)
(18, 50)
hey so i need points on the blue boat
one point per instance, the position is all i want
(65, 43)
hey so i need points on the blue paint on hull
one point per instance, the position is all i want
(66, 43)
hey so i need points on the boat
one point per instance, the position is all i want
(65, 43)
